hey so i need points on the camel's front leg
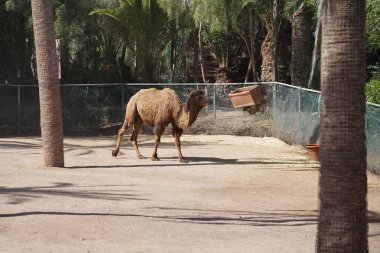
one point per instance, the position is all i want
(158, 131)
(178, 146)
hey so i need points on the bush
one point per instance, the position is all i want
(373, 91)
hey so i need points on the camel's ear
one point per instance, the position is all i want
(191, 95)
(190, 99)
(194, 93)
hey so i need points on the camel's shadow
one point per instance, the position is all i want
(167, 161)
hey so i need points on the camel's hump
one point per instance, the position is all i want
(156, 91)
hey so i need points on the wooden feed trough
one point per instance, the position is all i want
(246, 96)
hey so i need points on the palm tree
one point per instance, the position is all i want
(49, 90)
(244, 21)
(274, 50)
(144, 25)
(342, 225)
(275, 36)
(301, 13)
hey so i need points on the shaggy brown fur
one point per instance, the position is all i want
(159, 108)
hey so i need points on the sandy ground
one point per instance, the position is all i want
(237, 194)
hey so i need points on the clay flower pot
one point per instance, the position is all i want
(313, 151)
(246, 96)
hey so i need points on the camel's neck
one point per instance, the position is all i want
(188, 115)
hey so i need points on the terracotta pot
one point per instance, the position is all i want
(313, 151)
(246, 96)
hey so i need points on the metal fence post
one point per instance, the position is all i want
(19, 110)
(299, 99)
(206, 93)
(214, 98)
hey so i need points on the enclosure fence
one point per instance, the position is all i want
(290, 113)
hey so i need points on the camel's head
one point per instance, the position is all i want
(198, 97)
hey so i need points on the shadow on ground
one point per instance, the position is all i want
(248, 219)
(286, 218)
(18, 195)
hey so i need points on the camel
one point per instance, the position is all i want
(159, 108)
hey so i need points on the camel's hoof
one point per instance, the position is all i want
(115, 152)
(155, 158)
(183, 160)
(141, 157)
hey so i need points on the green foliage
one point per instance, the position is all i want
(373, 91)
(89, 45)
(145, 26)
(143, 37)
(229, 25)
(291, 6)
(373, 24)
(15, 41)
(224, 15)
(175, 9)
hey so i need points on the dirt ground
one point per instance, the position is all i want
(237, 194)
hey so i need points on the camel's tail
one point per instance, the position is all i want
(130, 115)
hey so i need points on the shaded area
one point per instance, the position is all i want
(284, 218)
(18, 195)
(373, 217)
(5, 144)
(143, 141)
(248, 219)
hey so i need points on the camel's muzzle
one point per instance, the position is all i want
(205, 101)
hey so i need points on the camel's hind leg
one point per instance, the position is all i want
(158, 131)
(136, 129)
(120, 135)
(130, 115)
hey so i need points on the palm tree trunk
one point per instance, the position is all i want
(301, 45)
(49, 90)
(267, 58)
(275, 42)
(342, 223)
(173, 50)
(200, 55)
(195, 56)
(253, 36)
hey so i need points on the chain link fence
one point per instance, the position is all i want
(100, 108)
(296, 114)
(289, 113)
(373, 137)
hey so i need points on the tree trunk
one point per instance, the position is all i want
(253, 35)
(249, 39)
(173, 50)
(49, 90)
(248, 71)
(301, 45)
(342, 225)
(267, 59)
(267, 56)
(201, 53)
(195, 57)
(275, 42)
